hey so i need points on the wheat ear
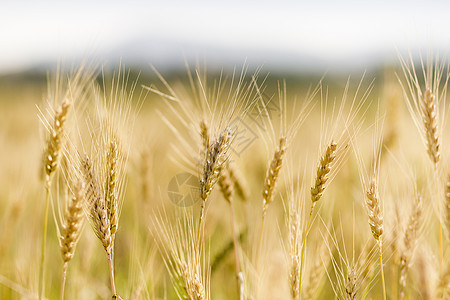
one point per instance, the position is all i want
(322, 176)
(111, 194)
(429, 111)
(269, 186)
(294, 253)
(98, 214)
(409, 243)
(215, 157)
(272, 174)
(376, 222)
(71, 229)
(51, 159)
(351, 285)
(55, 140)
(430, 122)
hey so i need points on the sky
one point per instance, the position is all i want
(287, 34)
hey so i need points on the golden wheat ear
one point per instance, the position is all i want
(323, 172)
(71, 228)
(424, 98)
(409, 244)
(272, 174)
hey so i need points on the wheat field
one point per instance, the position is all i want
(225, 185)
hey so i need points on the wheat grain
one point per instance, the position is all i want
(111, 193)
(272, 174)
(374, 210)
(323, 171)
(55, 140)
(73, 223)
(215, 158)
(430, 123)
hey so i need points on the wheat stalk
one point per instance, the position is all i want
(51, 159)
(215, 157)
(376, 222)
(322, 176)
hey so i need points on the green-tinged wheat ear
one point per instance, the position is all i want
(111, 193)
(98, 212)
(374, 210)
(73, 221)
(430, 122)
(323, 172)
(272, 173)
(54, 142)
(215, 158)
(409, 244)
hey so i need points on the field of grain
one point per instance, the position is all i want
(233, 185)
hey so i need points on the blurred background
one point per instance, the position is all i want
(283, 36)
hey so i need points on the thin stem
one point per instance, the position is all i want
(303, 249)
(63, 280)
(111, 275)
(367, 289)
(235, 243)
(441, 248)
(380, 247)
(41, 281)
(199, 232)
(258, 257)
